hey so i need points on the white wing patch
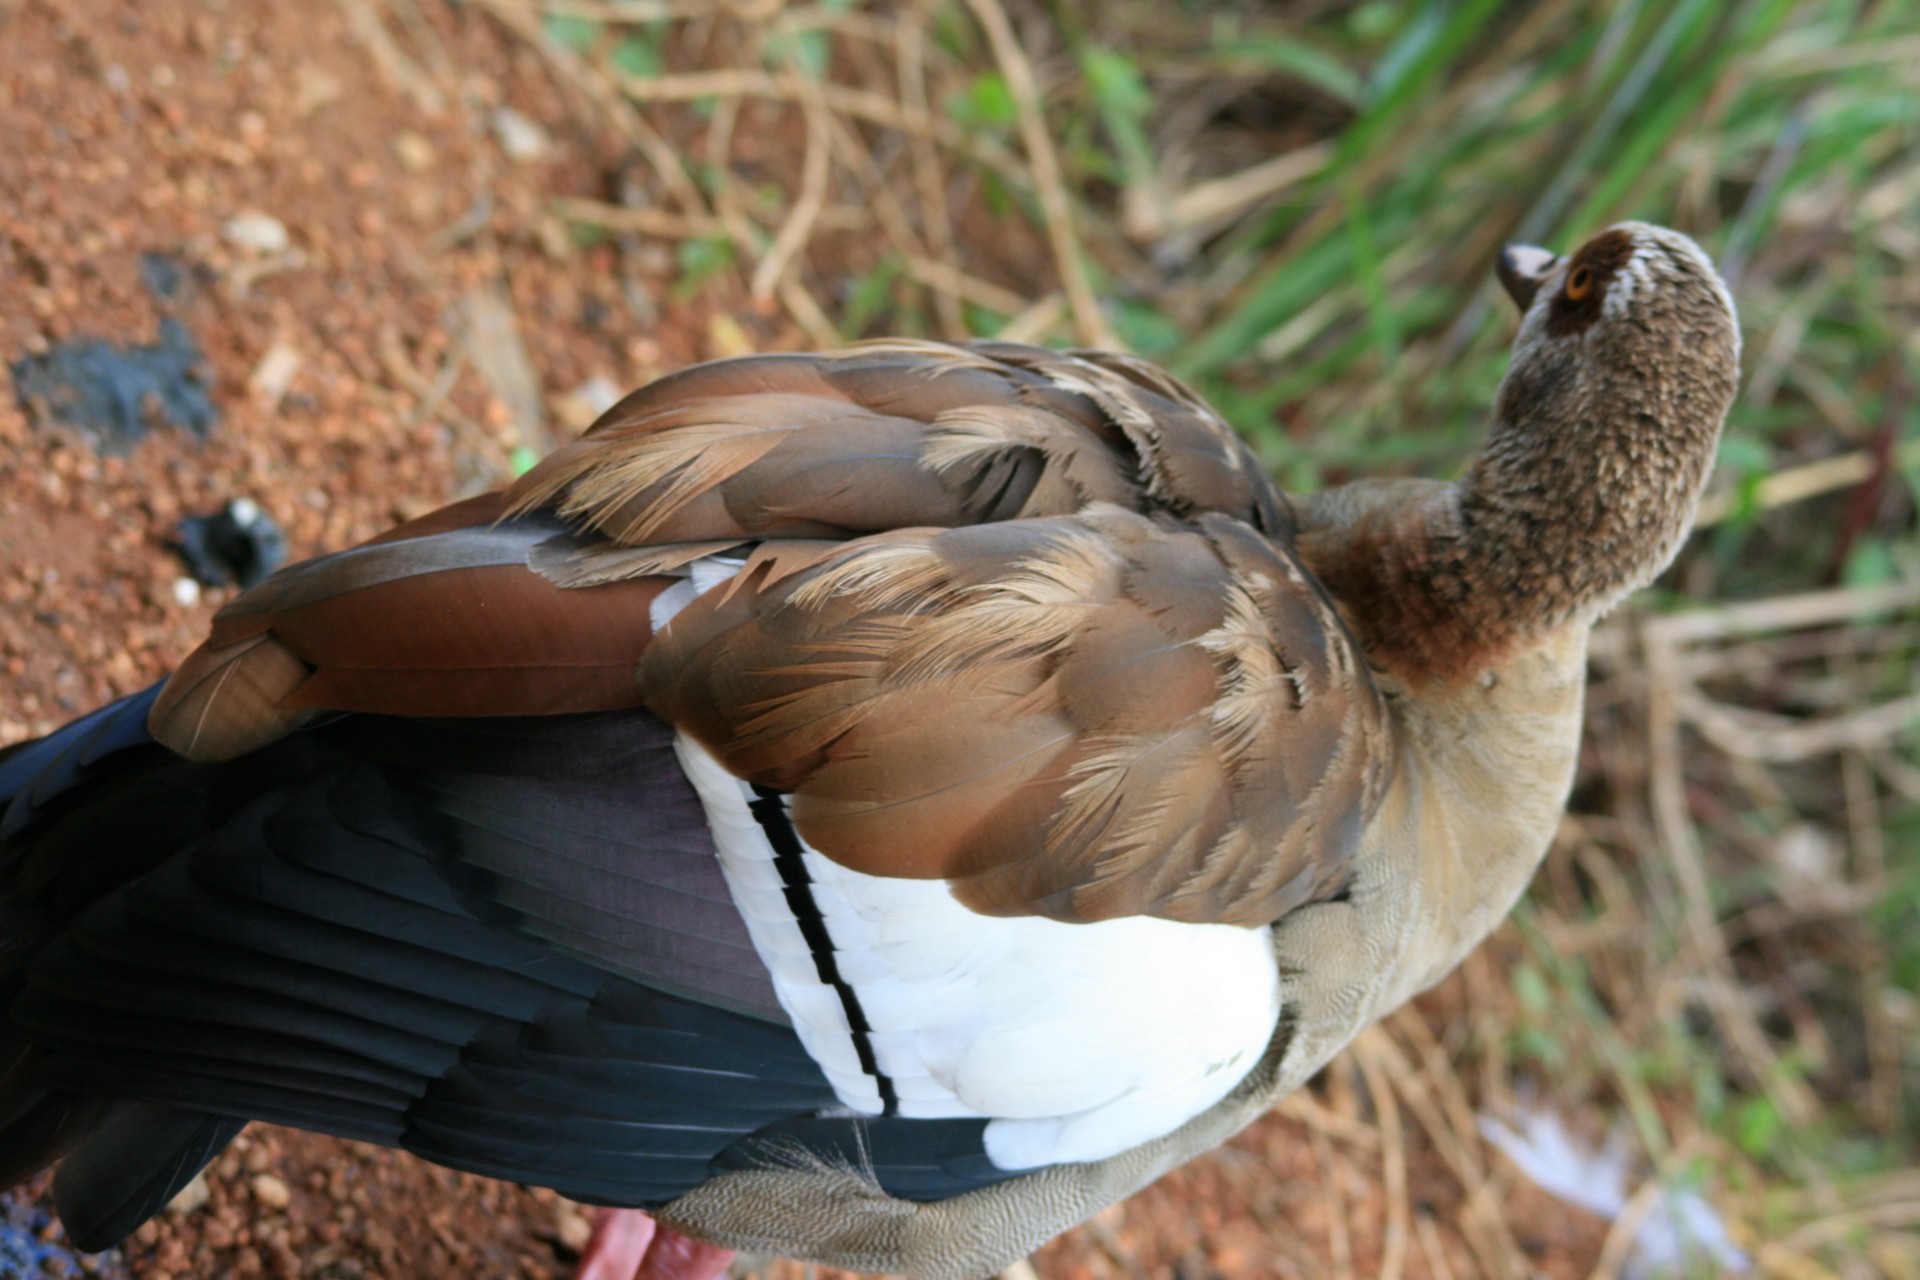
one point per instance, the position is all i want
(1076, 1041)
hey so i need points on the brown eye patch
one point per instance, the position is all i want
(1593, 267)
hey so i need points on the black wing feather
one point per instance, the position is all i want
(505, 945)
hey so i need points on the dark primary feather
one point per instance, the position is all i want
(502, 944)
(32, 772)
(131, 1165)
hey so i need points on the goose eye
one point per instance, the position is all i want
(1579, 283)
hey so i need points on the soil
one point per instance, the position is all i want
(329, 224)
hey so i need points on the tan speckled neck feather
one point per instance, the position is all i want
(1601, 439)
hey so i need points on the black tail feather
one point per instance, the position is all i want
(130, 1166)
(38, 1126)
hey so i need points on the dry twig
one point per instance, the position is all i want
(794, 233)
(600, 88)
(1055, 209)
(1393, 1257)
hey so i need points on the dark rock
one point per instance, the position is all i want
(163, 276)
(238, 544)
(116, 393)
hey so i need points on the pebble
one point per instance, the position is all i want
(577, 409)
(186, 594)
(270, 1191)
(274, 373)
(195, 1193)
(415, 152)
(520, 138)
(572, 1228)
(314, 88)
(257, 232)
(727, 337)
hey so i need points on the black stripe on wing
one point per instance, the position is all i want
(769, 809)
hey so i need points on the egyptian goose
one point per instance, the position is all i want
(879, 807)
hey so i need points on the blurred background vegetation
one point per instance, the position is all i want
(1296, 205)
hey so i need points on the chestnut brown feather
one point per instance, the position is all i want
(492, 640)
(448, 623)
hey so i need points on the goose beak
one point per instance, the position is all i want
(1521, 268)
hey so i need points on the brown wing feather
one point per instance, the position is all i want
(1028, 621)
(450, 623)
(895, 434)
(469, 513)
(226, 700)
(1081, 717)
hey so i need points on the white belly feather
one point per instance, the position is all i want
(1077, 1041)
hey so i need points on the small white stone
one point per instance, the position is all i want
(190, 1197)
(186, 592)
(520, 138)
(579, 408)
(415, 152)
(599, 391)
(1807, 852)
(572, 1226)
(270, 1191)
(258, 232)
